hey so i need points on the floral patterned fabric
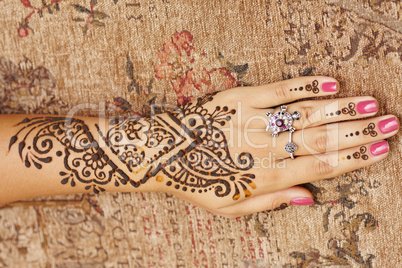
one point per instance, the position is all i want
(99, 57)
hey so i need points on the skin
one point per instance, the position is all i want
(262, 178)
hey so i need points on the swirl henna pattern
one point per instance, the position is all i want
(83, 159)
(309, 87)
(186, 145)
(191, 150)
(350, 109)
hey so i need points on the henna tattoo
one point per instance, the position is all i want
(313, 87)
(356, 155)
(83, 159)
(310, 87)
(351, 134)
(196, 147)
(187, 146)
(369, 130)
(350, 109)
(361, 153)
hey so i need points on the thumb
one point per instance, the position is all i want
(295, 195)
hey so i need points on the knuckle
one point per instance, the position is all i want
(323, 167)
(282, 93)
(322, 141)
(310, 116)
(325, 140)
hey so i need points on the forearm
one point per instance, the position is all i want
(49, 155)
(183, 151)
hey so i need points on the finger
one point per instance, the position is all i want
(319, 112)
(310, 168)
(327, 138)
(334, 137)
(275, 94)
(296, 195)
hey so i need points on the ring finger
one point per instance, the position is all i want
(331, 137)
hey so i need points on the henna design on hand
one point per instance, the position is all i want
(190, 150)
(195, 146)
(309, 87)
(83, 159)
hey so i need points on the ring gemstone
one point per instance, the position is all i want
(280, 121)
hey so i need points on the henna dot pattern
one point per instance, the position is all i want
(350, 109)
(351, 134)
(357, 155)
(310, 87)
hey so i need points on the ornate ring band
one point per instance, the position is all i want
(281, 121)
(290, 147)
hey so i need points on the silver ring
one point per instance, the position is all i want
(290, 147)
(281, 121)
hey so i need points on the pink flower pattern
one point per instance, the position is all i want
(182, 65)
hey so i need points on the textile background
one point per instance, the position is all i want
(120, 57)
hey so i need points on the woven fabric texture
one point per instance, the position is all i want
(99, 57)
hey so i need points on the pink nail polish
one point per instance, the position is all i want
(388, 125)
(365, 107)
(379, 148)
(329, 87)
(302, 201)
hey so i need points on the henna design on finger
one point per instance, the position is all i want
(186, 145)
(361, 153)
(351, 134)
(309, 87)
(369, 130)
(356, 155)
(350, 109)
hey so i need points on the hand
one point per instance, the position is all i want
(231, 166)
(214, 152)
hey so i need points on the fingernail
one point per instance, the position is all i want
(302, 201)
(379, 148)
(388, 125)
(329, 87)
(365, 107)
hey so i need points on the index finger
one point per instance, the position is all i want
(278, 93)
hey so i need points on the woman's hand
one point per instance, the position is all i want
(231, 166)
(214, 152)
